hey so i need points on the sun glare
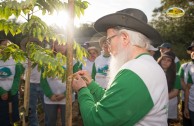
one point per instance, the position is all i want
(59, 19)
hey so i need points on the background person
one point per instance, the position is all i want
(36, 95)
(93, 53)
(165, 47)
(189, 92)
(183, 72)
(101, 64)
(54, 92)
(10, 76)
(166, 61)
(132, 97)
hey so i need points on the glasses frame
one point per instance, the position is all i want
(108, 40)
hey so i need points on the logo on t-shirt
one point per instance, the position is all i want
(103, 70)
(5, 72)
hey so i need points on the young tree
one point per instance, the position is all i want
(34, 27)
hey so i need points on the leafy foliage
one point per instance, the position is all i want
(8, 26)
(36, 28)
(12, 50)
(42, 57)
(46, 59)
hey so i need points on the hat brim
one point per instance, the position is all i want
(190, 47)
(129, 22)
(162, 47)
(153, 49)
(164, 55)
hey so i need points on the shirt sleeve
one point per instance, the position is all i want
(125, 103)
(190, 80)
(96, 90)
(17, 77)
(93, 71)
(178, 64)
(177, 84)
(45, 86)
(77, 66)
(181, 72)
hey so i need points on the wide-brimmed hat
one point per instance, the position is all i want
(130, 18)
(165, 45)
(152, 48)
(102, 40)
(92, 48)
(190, 47)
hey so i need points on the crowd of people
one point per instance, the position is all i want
(123, 85)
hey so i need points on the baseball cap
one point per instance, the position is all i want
(165, 45)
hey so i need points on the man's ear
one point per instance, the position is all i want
(125, 38)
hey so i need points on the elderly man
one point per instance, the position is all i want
(137, 93)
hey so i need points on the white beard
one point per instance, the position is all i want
(117, 62)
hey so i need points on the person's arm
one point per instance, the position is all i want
(45, 86)
(181, 74)
(96, 90)
(126, 102)
(77, 66)
(183, 84)
(19, 70)
(173, 93)
(93, 71)
(177, 86)
(186, 100)
(178, 64)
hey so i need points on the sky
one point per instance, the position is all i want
(99, 8)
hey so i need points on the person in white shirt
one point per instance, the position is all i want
(101, 64)
(89, 61)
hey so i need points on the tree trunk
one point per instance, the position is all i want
(70, 41)
(26, 94)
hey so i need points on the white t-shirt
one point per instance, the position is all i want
(35, 75)
(7, 72)
(57, 87)
(102, 68)
(191, 95)
(88, 66)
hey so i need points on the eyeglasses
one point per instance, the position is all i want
(108, 40)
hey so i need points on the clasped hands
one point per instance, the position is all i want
(4, 96)
(57, 97)
(80, 79)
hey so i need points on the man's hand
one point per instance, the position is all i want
(85, 76)
(4, 96)
(78, 82)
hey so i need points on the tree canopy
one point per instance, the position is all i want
(34, 27)
(177, 31)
